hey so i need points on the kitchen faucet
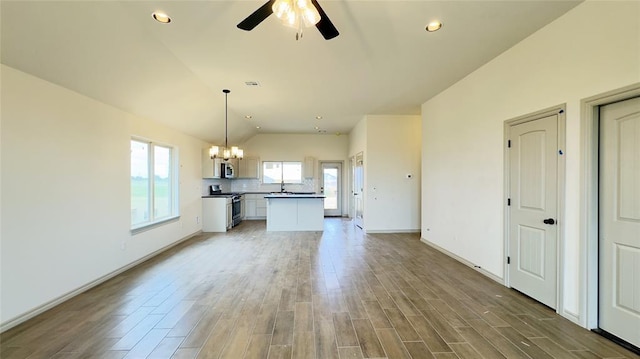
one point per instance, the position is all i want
(282, 186)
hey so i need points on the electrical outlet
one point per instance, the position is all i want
(197, 219)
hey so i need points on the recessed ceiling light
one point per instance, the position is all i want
(434, 26)
(318, 117)
(248, 117)
(258, 127)
(161, 17)
(316, 127)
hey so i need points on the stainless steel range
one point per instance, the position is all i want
(236, 202)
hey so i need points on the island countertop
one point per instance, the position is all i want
(293, 196)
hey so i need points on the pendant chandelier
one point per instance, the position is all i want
(226, 152)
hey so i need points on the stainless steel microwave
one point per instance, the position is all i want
(227, 170)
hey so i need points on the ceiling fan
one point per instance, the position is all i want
(324, 25)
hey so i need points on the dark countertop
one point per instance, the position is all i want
(294, 196)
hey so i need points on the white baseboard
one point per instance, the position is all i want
(464, 261)
(394, 231)
(48, 305)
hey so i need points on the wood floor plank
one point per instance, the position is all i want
(283, 330)
(303, 317)
(400, 323)
(367, 338)
(392, 344)
(418, 350)
(325, 339)
(237, 342)
(483, 346)
(303, 345)
(345, 334)
(442, 326)
(429, 336)
(354, 306)
(138, 332)
(350, 353)
(166, 348)
(258, 347)
(496, 339)
(280, 352)
(404, 304)
(553, 348)
(217, 340)
(185, 353)
(376, 315)
(465, 351)
(203, 328)
(287, 300)
(523, 343)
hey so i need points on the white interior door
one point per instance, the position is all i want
(619, 223)
(533, 230)
(358, 190)
(331, 187)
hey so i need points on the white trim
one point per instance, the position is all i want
(559, 110)
(464, 261)
(416, 230)
(589, 124)
(63, 298)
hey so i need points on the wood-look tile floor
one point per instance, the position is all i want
(250, 293)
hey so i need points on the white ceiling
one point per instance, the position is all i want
(383, 61)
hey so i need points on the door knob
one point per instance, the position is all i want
(549, 221)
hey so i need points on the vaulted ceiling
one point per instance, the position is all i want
(383, 61)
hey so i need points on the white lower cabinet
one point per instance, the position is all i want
(255, 206)
(217, 214)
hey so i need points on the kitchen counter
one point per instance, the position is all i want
(294, 195)
(295, 212)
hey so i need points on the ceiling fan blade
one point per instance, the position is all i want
(325, 26)
(257, 17)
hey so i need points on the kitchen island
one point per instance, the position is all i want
(295, 212)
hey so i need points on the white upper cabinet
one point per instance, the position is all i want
(248, 167)
(309, 168)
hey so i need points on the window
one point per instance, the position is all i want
(153, 184)
(277, 172)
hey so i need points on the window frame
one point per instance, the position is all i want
(282, 172)
(174, 187)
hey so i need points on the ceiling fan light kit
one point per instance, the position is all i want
(293, 13)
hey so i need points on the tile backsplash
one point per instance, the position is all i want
(256, 185)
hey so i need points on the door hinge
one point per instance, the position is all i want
(508, 201)
(509, 144)
(508, 260)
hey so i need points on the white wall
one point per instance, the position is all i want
(393, 152)
(592, 49)
(65, 192)
(391, 146)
